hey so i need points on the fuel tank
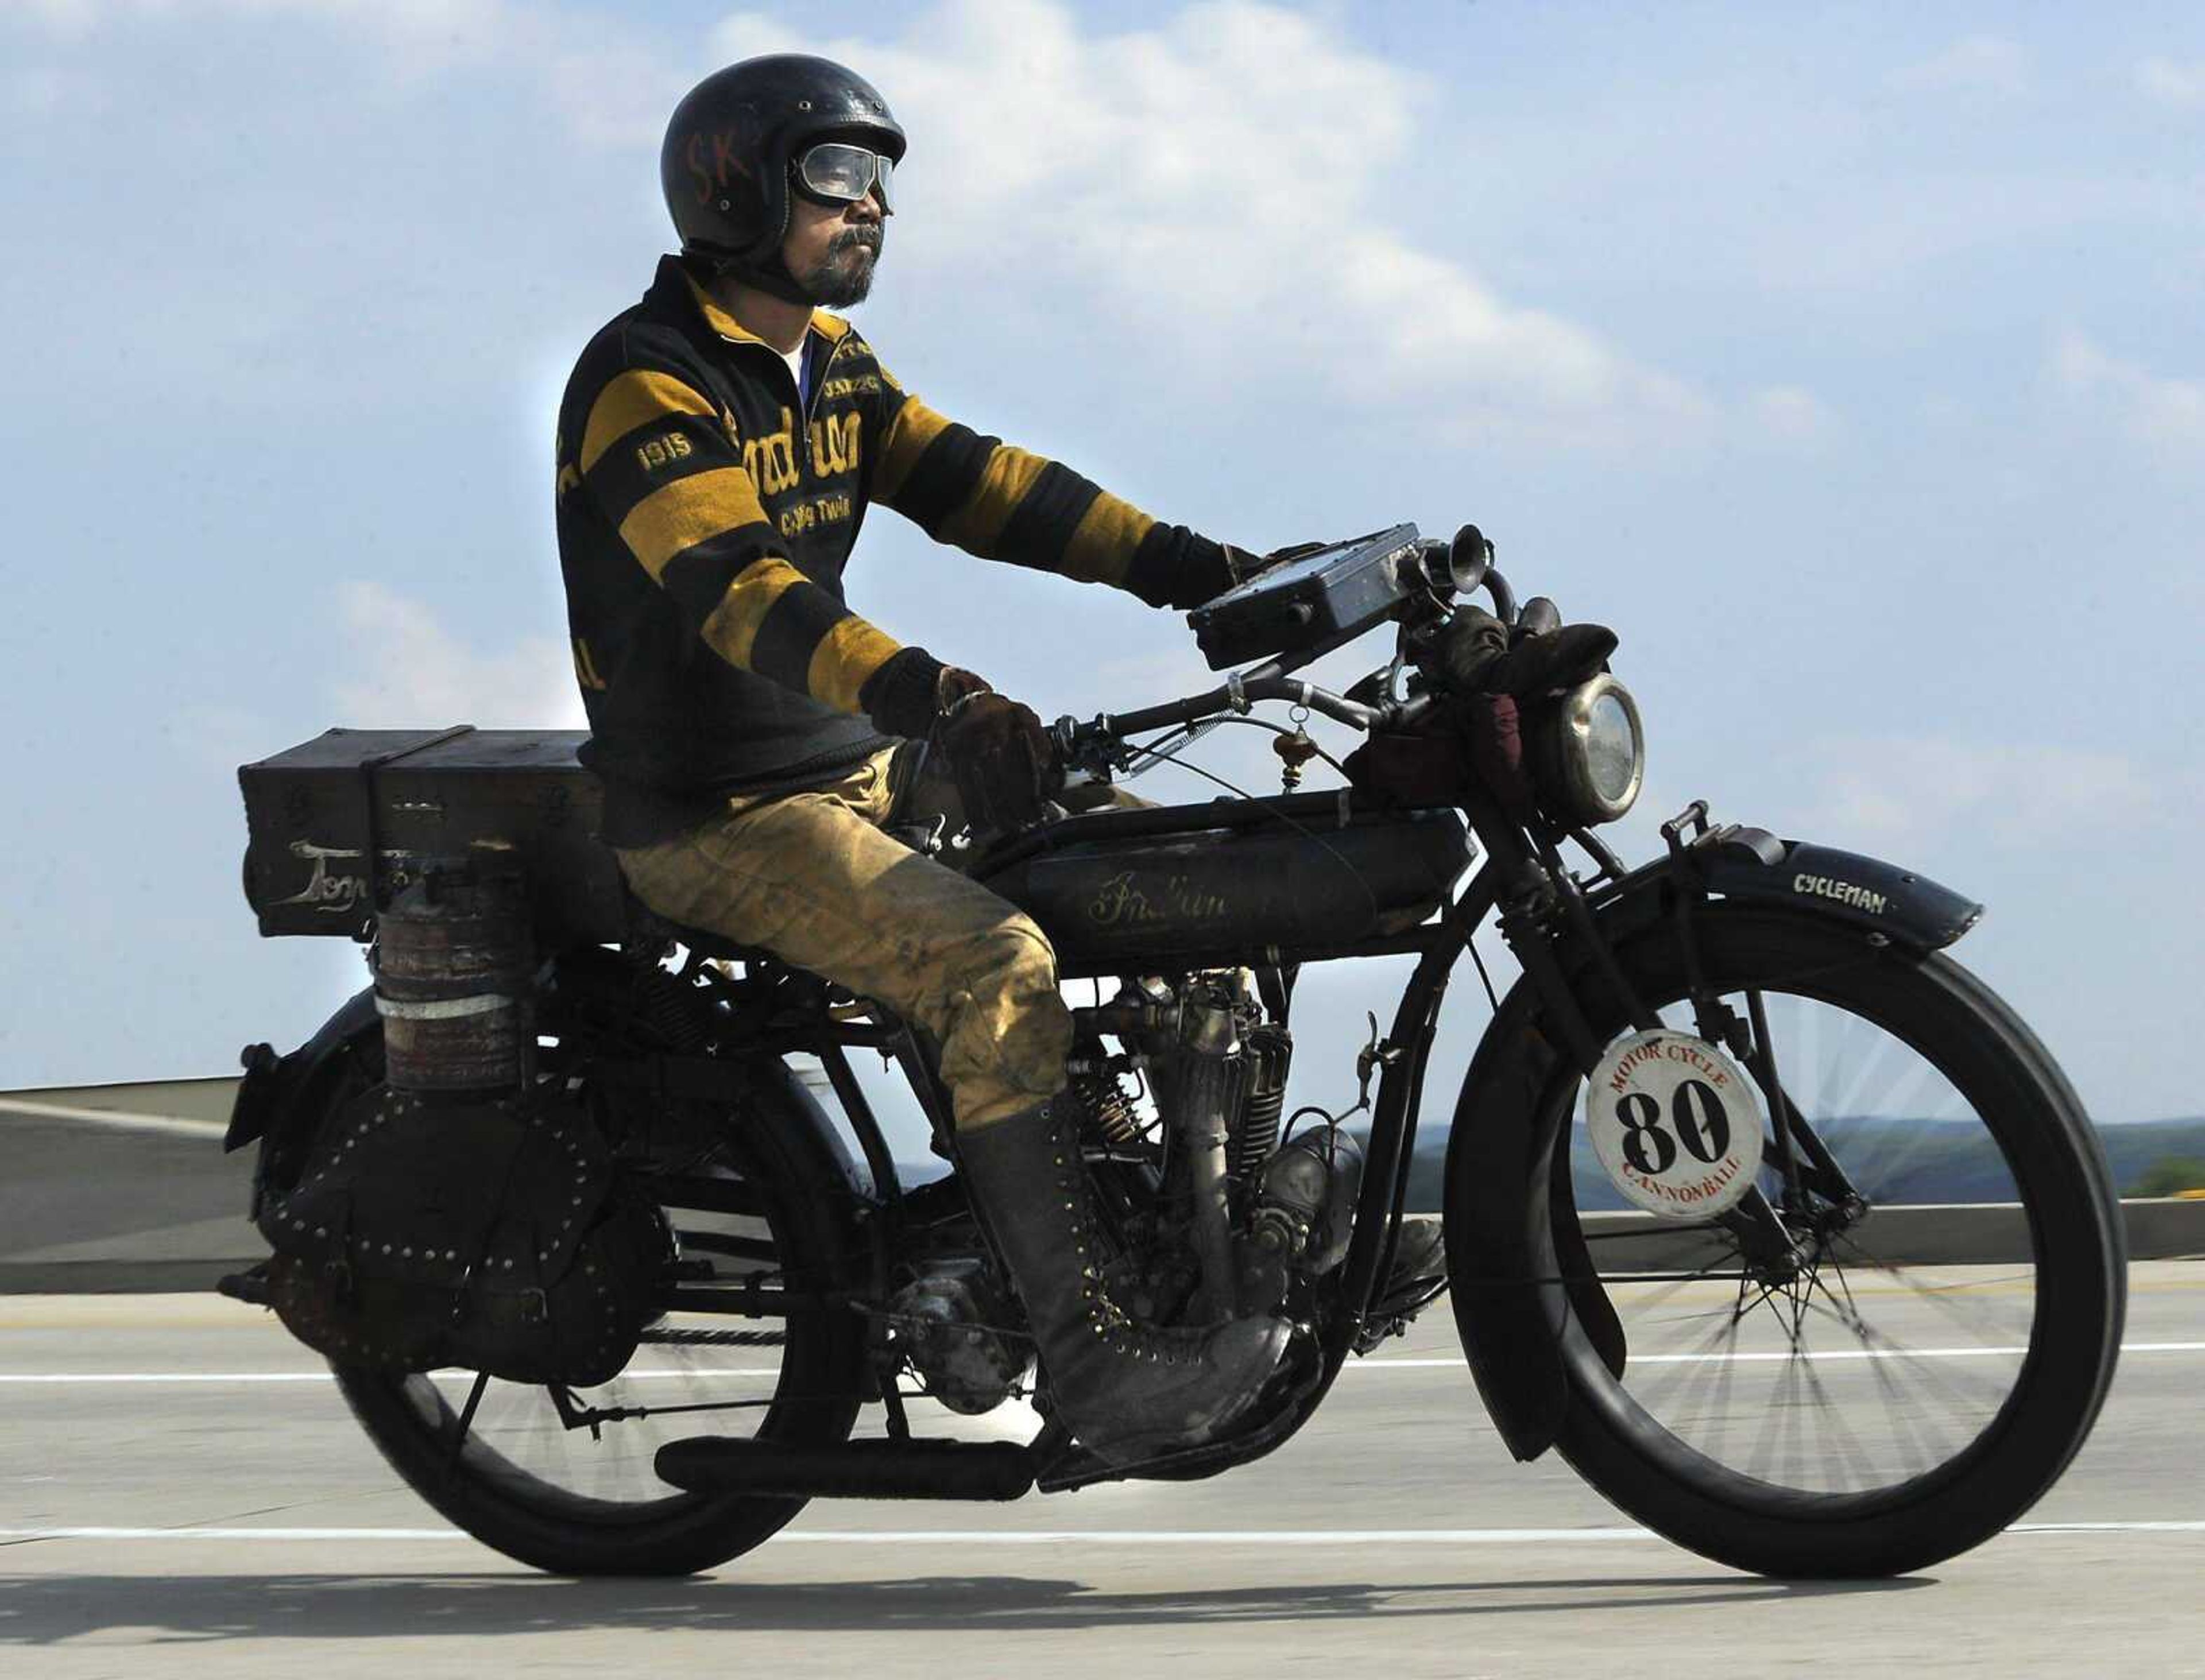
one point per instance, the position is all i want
(1224, 884)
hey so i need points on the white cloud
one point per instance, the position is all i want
(1974, 65)
(1232, 189)
(1175, 179)
(2173, 82)
(2166, 414)
(2029, 794)
(402, 669)
(611, 85)
(1791, 415)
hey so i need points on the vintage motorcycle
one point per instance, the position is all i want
(606, 1285)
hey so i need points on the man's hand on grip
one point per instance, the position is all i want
(1000, 755)
(994, 749)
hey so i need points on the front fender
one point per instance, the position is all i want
(1755, 866)
(1510, 1317)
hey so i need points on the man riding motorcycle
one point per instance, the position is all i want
(719, 444)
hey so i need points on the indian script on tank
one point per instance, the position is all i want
(1124, 902)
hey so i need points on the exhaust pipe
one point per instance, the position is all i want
(864, 1469)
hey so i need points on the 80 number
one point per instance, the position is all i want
(1695, 1111)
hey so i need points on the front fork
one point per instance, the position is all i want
(1541, 904)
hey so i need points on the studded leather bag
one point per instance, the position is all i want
(490, 1233)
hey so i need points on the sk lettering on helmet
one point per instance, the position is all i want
(725, 163)
(1844, 892)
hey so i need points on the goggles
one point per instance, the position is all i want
(836, 172)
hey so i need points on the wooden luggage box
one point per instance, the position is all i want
(316, 814)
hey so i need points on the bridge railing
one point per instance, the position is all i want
(125, 1188)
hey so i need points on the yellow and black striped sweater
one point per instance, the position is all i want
(705, 514)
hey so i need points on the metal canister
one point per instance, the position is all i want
(453, 963)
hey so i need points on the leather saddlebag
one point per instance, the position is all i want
(491, 1234)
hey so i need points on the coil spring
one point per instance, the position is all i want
(1269, 1050)
(1107, 1109)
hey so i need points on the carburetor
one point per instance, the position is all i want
(1304, 1212)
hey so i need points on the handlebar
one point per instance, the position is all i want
(1462, 565)
(1074, 738)
(1236, 694)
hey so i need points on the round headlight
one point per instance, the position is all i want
(1590, 753)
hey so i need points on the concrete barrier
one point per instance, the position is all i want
(93, 1207)
(113, 1189)
(1948, 1234)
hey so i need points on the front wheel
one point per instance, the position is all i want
(1867, 1407)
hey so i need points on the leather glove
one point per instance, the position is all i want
(1001, 759)
(1461, 652)
(996, 750)
(1560, 658)
(1471, 654)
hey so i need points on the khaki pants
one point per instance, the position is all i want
(811, 877)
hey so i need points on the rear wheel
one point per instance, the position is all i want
(1867, 1407)
(564, 1479)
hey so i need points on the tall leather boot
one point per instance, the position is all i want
(1128, 1391)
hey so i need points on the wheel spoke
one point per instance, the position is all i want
(1798, 1378)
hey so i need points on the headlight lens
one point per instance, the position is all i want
(1588, 753)
(1612, 749)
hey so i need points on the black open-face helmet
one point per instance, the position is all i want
(735, 143)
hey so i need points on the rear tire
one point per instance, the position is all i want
(514, 1503)
(413, 1420)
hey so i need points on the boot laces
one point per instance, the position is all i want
(1118, 1331)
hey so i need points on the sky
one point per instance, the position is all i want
(1848, 360)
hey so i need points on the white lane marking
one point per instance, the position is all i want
(311, 1376)
(1061, 1536)
(1829, 1353)
(1353, 1365)
(116, 1118)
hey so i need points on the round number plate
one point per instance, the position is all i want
(1676, 1124)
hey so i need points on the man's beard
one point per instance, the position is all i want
(840, 279)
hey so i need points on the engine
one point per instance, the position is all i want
(1189, 1111)
(951, 1323)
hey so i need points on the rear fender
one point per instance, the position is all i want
(280, 1098)
(273, 1084)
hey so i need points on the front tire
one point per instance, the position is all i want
(1935, 1449)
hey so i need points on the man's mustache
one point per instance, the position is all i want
(853, 237)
